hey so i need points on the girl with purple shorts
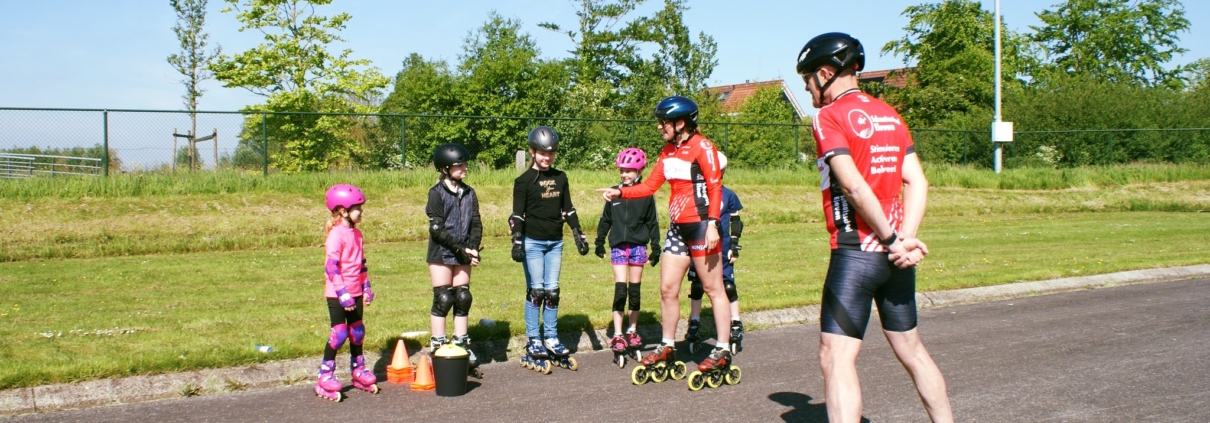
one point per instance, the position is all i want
(631, 224)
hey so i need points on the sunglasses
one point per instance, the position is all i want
(662, 122)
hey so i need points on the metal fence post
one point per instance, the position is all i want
(264, 145)
(797, 149)
(966, 142)
(1109, 158)
(403, 129)
(632, 133)
(104, 146)
(726, 135)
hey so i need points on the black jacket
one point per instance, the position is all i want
(630, 220)
(543, 199)
(460, 212)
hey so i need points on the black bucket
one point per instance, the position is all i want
(451, 364)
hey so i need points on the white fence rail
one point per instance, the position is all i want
(14, 165)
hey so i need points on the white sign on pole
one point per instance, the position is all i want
(1002, 131)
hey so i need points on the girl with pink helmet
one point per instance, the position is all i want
(630, 224)
(347, 288)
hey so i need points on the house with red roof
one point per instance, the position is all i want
(733, 97)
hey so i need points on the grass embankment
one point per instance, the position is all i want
(110, 315)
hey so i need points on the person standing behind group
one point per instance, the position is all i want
(732, 224)
(541, 204)
(866, 160)
(630, 224)
(689, 163)
(455, 231)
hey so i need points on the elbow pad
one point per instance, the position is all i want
(737, 226)
(442, 236)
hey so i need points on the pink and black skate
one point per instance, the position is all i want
(328, 387)
(363, 378)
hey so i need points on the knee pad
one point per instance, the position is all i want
(443, 299)
(732, 295)
(619, 296)
(534, 296)
(634, 297)
(695, 289)
(552, 299)
(357, 332)
(462, 301)
(339, 334)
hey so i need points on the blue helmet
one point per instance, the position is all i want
(676, 107)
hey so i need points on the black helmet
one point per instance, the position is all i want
(543, 138)
(834, 48)
(676, 107)
(446, 155)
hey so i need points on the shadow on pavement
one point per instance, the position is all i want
(570, 328)
(803, 410)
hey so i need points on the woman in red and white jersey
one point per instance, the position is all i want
(689, 163)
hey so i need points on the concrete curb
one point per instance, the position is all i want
(50, 398)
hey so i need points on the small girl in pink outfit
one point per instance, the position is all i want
(347, 290)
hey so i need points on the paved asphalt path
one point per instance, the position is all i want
(1132, 353)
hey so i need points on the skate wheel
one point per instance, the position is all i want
(659, 372)
(621, 360)
(714, 379)
(639, 375)
(572, 364)
(638, 355)
(696, 381)
(678, 370)
(528, 365)
(547, 366)
(374, 389)
(734, 347)
(693, 347)
(733, 375)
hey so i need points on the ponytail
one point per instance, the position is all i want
(335, 220)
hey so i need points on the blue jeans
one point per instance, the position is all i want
(542, 262)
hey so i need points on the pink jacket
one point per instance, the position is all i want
(345, 262)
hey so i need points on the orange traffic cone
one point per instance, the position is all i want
(424, 375)
(400, 370)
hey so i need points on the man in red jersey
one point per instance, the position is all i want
(689, 163)
(866, 160)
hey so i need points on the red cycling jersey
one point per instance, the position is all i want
(873, 134)
(691, 169)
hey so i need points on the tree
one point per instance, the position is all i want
(1115, 40)
(194, 59)
(295, 72)
(952, 46)
(762, 146)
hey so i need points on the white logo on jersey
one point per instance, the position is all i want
(860, 122)
(677, 168)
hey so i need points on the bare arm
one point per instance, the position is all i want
(915, 195)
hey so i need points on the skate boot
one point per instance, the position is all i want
(619, 347)
(534, 357)
(464, 341)
(363, 378)
(560, 355)
(328, 387)
(635, 343)
(658, 366)
(436, 342)
(715, 370)
(737, 336)
(693, 336)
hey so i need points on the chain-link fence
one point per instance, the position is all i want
(101, 142)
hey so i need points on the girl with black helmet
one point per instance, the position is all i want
(874, 193)
(455, 230)
(541, 204)
(690, 164)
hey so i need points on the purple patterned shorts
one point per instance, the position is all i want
(627, 253)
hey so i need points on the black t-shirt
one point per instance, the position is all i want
(543, 199)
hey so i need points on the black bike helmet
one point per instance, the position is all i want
(834, 48)
(543, 138)
(677, 107)
(451, 154)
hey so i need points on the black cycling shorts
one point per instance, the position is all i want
(857, 277)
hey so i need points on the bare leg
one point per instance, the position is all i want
(636, 277)
(710, 270)
(930, 384)
(672, 272)
(842, 390)
(441, 275)
(462, 277)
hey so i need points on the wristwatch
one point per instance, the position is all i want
(889, 240)
(712, 222)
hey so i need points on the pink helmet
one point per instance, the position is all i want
(632, 158)
(344, 195)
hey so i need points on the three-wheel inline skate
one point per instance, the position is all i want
(658, 366)
(535, 357)
(714, 371)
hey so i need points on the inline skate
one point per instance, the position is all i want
(328, 387)
(635, 343)
(535, 357)
(560, 355)
(658, 366)
(693, 336)
(715, 370)
(464, 341)
(737, 336)
(620, 349)
(363, 378)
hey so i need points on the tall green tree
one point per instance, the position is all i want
(951, 46)
(193, 61)
(1115, 40)
(294, 71)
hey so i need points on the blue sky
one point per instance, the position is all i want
(111, 54)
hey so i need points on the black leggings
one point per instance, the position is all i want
(338, 316)
(857, 277)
